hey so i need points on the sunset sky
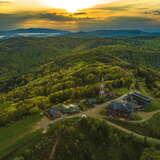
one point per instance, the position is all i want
(80, 14)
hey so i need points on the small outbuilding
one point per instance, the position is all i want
(68, 108)
(54, 113)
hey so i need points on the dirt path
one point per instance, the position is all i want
(42, 124)
(45, 122)
(146, 116)
(96, 113)
(52, 154)
(150, 140)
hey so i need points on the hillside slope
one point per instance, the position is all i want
(83, 139)
(22, 55)
(73, 77)
(39, 73)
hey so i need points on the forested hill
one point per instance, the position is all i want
(21, 55)
(38, 73)
(85, 139)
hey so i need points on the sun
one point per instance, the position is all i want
(71, 5)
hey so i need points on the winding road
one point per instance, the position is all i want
(96, 113)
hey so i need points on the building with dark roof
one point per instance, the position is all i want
(54, 113)
(122, 109)
(67, 109)
(70, 109)
(139, 100)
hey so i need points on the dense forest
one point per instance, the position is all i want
(23, 55)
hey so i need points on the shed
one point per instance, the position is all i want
(69, 109)
(54, 113)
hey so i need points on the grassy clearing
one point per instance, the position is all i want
(144, 116)
(21, 145)
(150, 127)
(155, 105)
(11, 134)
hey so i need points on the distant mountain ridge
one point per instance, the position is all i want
(32, 32)
(42, 32)
(115, 33)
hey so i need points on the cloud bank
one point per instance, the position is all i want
(144, 15)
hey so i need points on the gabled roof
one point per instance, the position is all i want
(139, 95)
(122, 106)
(53, 111)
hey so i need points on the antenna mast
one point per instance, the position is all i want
(102, 88)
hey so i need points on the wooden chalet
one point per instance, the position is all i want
(120, 109)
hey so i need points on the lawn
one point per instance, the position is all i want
(12, 133)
